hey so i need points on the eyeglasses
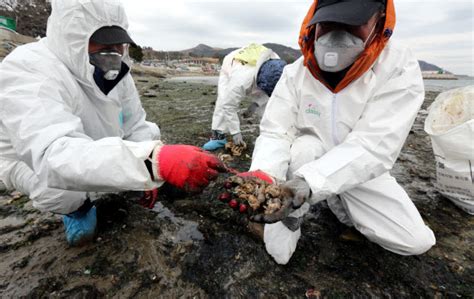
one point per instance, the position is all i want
(94, 47)
(325, 27)
(361, 31)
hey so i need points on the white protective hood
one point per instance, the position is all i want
(71, 25)
(57, 125)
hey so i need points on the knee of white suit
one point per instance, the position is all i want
(20, 177)
(419, 242)
(280, 242)
(7, 168)
(415, 243)
(57, 201)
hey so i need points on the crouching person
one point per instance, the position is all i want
(71, 121)
(250, 71)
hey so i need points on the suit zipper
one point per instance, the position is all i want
(335, 139)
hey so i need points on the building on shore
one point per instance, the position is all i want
(204, 65)
(438, 75)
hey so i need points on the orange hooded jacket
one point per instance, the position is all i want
(363, 62)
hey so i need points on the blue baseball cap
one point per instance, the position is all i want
(269, 74)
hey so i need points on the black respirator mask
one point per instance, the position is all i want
(107, 62)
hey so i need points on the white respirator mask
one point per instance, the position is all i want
(338, 49)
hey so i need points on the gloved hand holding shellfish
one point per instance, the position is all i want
(262, 199)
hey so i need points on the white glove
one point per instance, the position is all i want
(238, 139)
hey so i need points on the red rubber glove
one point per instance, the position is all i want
(149, 198)
(258, 174)
(186, 167)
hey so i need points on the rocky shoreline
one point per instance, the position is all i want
(197, 247)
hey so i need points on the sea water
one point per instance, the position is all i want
(430, 85)
(443, 85)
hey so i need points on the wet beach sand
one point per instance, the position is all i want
(195, 246)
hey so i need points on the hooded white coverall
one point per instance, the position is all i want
(60, 136)
(344, 145)
(237, 81)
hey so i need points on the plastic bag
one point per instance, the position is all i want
(450, 124)
(250, 54)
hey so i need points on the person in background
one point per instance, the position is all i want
(71, 121)
(253, 70)
(335, 125)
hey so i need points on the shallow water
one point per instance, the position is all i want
(187, 230)
(430, 85)
(208, 80)
(442, 85)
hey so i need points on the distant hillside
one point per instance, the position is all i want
(425, 66)
(287, 53)
(201, 50)
(32, 16)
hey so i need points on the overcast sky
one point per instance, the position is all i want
(438, 31)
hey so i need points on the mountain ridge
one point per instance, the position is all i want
(286, 53)
(32, 15)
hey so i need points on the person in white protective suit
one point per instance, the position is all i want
(336, 123)
(71, 121)
(250, 71)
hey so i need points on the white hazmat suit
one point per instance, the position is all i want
(58, 130)
(236, 81)
(344, 144)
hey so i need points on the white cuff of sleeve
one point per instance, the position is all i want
(317, 183)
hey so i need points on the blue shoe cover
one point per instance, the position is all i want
(80, 226)
(214, 144)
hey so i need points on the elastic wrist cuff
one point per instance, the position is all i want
(149, 166)
(153, 159)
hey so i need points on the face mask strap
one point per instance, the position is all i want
(370, 37)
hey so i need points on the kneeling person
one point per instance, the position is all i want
(335, 125)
